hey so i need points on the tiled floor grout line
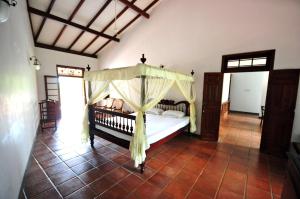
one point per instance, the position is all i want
(48, 178)
(222, 178)
(246, 183)
(146, 180)
(190, 190)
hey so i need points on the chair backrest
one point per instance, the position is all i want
(101, 103)
(109, 102)
(118, 104)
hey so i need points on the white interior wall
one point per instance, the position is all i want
(49, 59)
(18, 100)
(247, 91)
(194, 35)
(226, 84)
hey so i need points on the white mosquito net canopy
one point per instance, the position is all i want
(141, 87)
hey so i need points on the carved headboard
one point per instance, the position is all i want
(166, 104)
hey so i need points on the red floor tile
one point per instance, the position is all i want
(101, 185)
(70, 186)
(131, 182)
(83, 193)
(148, 191)
(116, 192)
(255, 193)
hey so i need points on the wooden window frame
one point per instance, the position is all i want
(72, 67)
(269, 54)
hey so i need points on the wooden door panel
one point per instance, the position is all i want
(279, 113)
(211, 106)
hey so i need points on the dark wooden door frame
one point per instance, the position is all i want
(74, 67)
(296, 70)
(286, 111)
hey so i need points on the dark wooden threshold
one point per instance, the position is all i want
(243, 112)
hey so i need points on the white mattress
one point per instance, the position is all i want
(157, 127)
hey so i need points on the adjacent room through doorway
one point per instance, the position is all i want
(72, 100)
(242, 108)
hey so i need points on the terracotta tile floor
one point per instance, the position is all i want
(240, 129)
(185, 167)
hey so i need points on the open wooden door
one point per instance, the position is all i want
(52, 91)
(211, 106)
(279, 112)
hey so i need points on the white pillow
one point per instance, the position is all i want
(172, 113)
(155, 111)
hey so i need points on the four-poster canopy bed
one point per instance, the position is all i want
(142, 87)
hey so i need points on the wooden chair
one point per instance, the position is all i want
(117, 105)
(48, 114)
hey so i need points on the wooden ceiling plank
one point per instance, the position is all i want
(126, 26)
(135, 8)
(50, 47)
(53, 17)
(107, 26)
(44, 20)
(30, 20)
(70, 19)
(91, 22)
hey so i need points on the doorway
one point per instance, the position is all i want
(72, 98)
(72, 102)
(242, 108)
(280, 102)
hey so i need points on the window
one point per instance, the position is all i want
(69, 71)
(247, 62)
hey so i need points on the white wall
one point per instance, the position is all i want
(194, 34)
(226, 84)
(18, 100)
(49, 59)
(247, 91)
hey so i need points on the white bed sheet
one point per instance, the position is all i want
(157, 127)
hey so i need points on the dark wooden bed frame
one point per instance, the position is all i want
(123, 123)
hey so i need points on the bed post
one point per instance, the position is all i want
(92, 136)
(143, 60)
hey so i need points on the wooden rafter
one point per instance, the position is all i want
(70, 19)
(90, 23)
(53, 17)
(107, 26)
(127, 25)
(135, 8)
(44, 20)
(50, 47)
(30, 20)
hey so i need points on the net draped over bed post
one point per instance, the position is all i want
(98, 94)
(188, 91)
(141, 87)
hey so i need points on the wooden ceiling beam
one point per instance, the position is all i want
(127, 25)
(135, 8)
(44, 20)
(50, 47)
(56, 18)
(107, 26)
(30, 20)
(70, 19)
(91, 22)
